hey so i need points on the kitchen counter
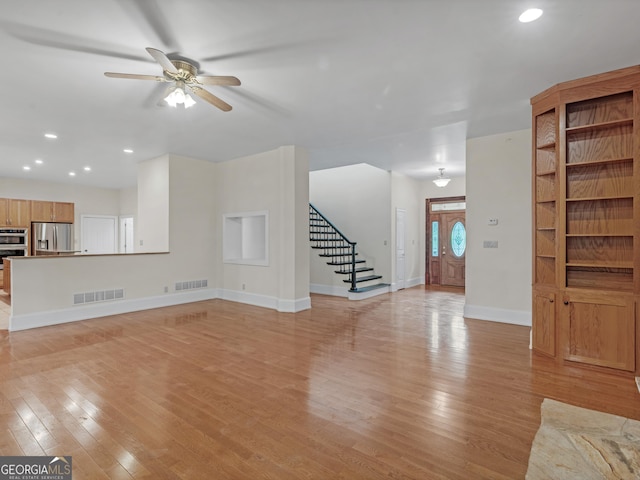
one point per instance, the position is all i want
(40, 253)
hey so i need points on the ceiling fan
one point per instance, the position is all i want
(183, 76)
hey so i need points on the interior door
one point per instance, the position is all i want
(126, 234)
(99, 234)
(400, 248)
(454, 248)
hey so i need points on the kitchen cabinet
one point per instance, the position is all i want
(15, 213)
(61, 212)
(586, 217)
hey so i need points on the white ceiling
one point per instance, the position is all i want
(399, 84)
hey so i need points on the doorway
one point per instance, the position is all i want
(126, 234)
(446, 241)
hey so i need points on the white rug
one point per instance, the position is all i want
(576, 443)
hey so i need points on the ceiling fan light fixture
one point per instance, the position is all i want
(178, 96)
(188, 101)
(441, 180)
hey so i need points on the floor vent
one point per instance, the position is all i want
(98, 296)
(191, 284)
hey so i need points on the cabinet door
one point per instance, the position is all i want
(543, 331)
(41, 211)
(599, 329)
(4, 212)
(19, 212)
(63, 212)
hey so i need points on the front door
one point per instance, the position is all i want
(454, 246)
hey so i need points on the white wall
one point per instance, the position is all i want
(192, 221)
(406, 195)
(189, 210)
(357, 200)
(275, 181)
(152, 225)
(498, 281)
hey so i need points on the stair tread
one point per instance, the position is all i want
(335, 254)
(358, 270)
(364, 279)
(345, 263)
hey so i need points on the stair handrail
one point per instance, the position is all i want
(353, 247)
(332, 225)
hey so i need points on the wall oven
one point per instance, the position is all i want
(14, 242)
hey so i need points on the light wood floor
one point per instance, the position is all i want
(397, 386)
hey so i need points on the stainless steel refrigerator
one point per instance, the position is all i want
(52, 239)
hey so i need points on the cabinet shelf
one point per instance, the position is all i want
(626, 265)
(599, 235)
(599, 162)
(599, 126)
(591, 199)
(547, 146)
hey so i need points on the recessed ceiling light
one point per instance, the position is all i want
(530, 15)
(72, 174)
(26, 167)
(87, 169)
(127, 150)
(51, 135)
(39, 162)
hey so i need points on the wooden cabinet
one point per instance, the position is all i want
(586, 219)
(61, 212)
(599, 329)
(543, 333)
(15, 213)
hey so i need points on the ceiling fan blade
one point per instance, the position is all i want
(218, 80)
(135, 76)
(149, 17)
(63, 41)
(211, 98)
(162, 59)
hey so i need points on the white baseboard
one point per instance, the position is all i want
(411, 282)
(515, 317)
(328, 290)
(103, 309)
(266, 301)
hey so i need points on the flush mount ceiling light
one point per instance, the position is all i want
(441, 180)
(179, 96)
(127, 150)
(51, 135)
(530, 15)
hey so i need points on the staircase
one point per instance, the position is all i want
(341, 253)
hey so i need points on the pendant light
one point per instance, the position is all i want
(441, 180)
